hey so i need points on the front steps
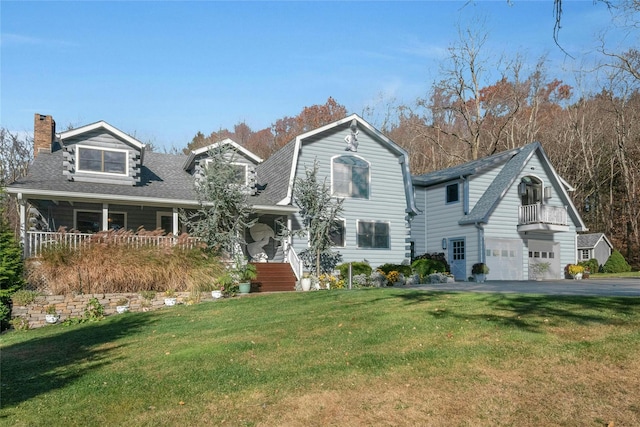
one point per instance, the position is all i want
(273, 277)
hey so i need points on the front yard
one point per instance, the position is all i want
(365, 357)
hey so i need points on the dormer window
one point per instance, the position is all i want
(241, 175)
(240, 172)
(102, 160)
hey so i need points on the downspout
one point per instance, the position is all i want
(465, 195)
(480, 228)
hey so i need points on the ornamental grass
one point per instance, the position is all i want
(109, 263)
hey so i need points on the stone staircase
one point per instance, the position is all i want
(273, 277)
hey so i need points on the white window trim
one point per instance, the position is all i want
(376, 222)
(344, 236)
(159, 215)
(333, 193)
(116, 150)
(244, 165)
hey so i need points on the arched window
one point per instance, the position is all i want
(350, 177)
(530, 190)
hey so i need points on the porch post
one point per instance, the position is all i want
(105, 216)
(175, 222)
(23, 225)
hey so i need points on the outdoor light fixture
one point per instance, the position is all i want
(444, 243)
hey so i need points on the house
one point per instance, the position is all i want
(97, 177)
(363, 167)
(510, 210)
(594, 246)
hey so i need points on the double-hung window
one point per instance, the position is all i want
(350, 177)
(373, 234)
(102, 160)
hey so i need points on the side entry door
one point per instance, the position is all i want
(457, 259)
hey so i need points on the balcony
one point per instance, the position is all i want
(543, 218)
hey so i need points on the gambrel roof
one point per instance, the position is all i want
(279, 170)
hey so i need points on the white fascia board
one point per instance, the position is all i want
(564, 187)
(106, 126)
(232, 143)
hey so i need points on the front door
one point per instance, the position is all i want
(457, 259)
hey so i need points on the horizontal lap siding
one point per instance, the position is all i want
(387, 200)
(503, 222)
(419, 222)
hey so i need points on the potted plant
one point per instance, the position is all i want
(575, 271)
(170, 297)
(480, 271)
(122, 305)
(245, 273)
(51, 315)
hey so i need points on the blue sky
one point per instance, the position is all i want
(162, 71)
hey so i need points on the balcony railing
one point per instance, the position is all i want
(37, 241)
(543, 214)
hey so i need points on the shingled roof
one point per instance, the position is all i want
(163, 181)
(512, 161)
(589, 241)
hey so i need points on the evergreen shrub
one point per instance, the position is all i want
(616, 263)
(357, 268)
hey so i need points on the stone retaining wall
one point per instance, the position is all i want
(68, 306)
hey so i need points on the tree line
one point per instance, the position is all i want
(592, 137)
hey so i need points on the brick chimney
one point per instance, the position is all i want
(44, 133)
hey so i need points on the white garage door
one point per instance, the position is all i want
(504, 259)
(544, 252)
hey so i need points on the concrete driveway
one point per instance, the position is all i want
(626, 287)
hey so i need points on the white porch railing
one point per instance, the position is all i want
(543, 214)
(37, 241)
(292, 258)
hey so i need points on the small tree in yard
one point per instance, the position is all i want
(319, 213)
(11, 269)
(224, 211)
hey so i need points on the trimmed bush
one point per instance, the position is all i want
(425, 267)
(616, 264)
(357, 268)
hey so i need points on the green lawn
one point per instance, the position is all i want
(366, 357)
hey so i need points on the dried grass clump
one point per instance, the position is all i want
(115, 262)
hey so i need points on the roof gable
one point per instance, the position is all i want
(193, 155)
(513, 162)
(589, 241)
(102, 125)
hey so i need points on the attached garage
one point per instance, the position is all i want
(504, 259)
